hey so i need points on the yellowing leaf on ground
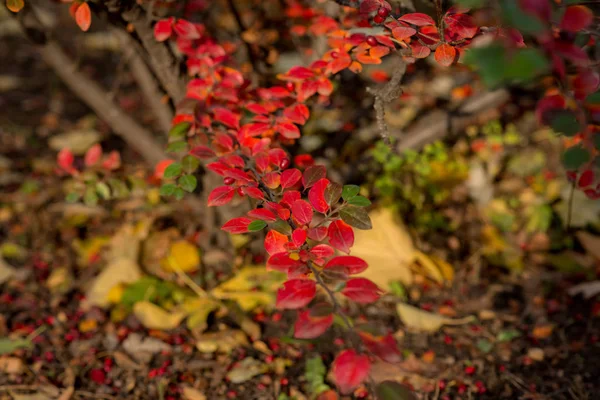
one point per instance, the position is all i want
(183, 256)
(418, 319)
(123, 270)
(155, 317)
(189, 393)
(198, 310)
(88, 250)
(390, 253)
(223, 341)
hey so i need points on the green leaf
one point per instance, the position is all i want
(525, 64)
(517, 18)
(315, 376)
(178, 193)
(359, 201)
(484, 345)
(168, 189)
(119, 188)
(256, 225)
(7, 345)
(489, 63)
(103, 190)
(282, 227)
(574, 157)
(596, 140)
(356, 217)
(173, 170)
(349, 191)
(398, 290)
(180, 130)
(90, 197)
(73, 197)
(392, 390)
(190, 164)
(593, 98)
(188, 183)
(508, 335)
(565, 122)
(176, 147)
(471, 3)
(333, 192)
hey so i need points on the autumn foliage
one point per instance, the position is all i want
(240, 131)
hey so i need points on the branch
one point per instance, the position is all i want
(145, 79)
(162, 61)
(89, 91)
(390, 91)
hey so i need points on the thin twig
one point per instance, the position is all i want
(384, 95)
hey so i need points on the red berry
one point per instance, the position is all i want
(228, 181)
(383, 12)
(378, 19)
(442, 384)
(284, 381)
(290, 86)
(470, 369)
(284, 163)
(49, 356)
(97, 375)
(108, 362)
(371, 40)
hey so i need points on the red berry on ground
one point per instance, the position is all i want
(470, 369)
(98, 376)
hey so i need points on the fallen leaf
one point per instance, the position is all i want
(6, 271)
(143, 349)
(422, 320)
(536, 354)
(60, 280)
(189, 393)
(11, 365)
(79, 141)
(222, 342)
(247, 369)
(587, 289)
(198, 310)
(7, 345)
(542, 331)
(125, 362)
(591, 243)
(182, 256)
(122, 270)
(155, 317)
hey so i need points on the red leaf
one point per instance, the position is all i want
(290, 177)
(93, 155)
(540, 8)
(297, 113)
(302, 212)
(418, 19)
(299, 237)
(254, 192)
(313, 174)
(237, 225)
(322, 251)
(220, 196)
(113, 161)
(288, 130)
(186, 30)
(460, 26)
(202, 152)
(576, 18)
(283, 261)
(403, 32)
(341, 235)
(290, 197)
(296, 293)
(272, 180)
(83, 16)
(384, 347)
(350, 370)
(274, 243)
(310, 327)
(262, 214)
(354, 265)
(226, 117)
(319, 233)
(361, 290)
(420, 51)
(445, 54)
(65, 159)
(316, 195)
(159, 170)
(163, 29)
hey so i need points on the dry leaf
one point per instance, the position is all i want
(189, 393)
(591, 243)
(247, 369)
(198, 310)
(123, 270)
(425, 321)
(223, 342)
(6, 271)
(183, 256)
(155, 317)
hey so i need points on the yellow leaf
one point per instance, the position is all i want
(155, 317)
(251, 287)
(446, 269)
(88, 250)
(387, 248)
(189, 393)
(88, 325)
(418, 319)
(223, 341)
(198, 310)
(183, 256)
(115, 294)
(247, 300)
(122, 270)
(432, 270)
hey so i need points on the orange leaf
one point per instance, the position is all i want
(83, 16)
(445, 55)
(15, 5)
